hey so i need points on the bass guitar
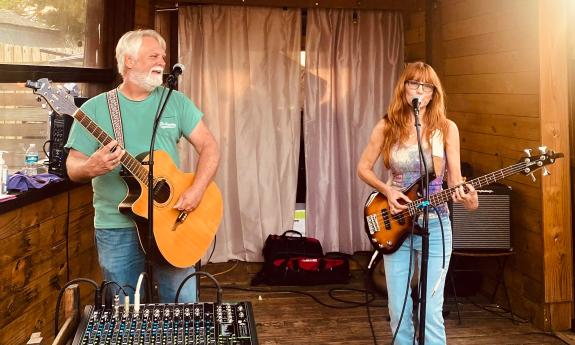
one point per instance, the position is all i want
(387, 231)
(179, 238)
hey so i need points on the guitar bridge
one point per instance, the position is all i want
(181, 217)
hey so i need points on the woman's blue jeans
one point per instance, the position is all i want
(396, 275)
(122, 260)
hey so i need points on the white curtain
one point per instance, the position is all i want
(353, 59)
(243, 70)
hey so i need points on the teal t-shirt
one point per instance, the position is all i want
(179, 119)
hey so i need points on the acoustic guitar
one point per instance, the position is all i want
(387, 231)
(179, 238)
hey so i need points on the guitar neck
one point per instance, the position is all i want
(444, 196)
(131, 163)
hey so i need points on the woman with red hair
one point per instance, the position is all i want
(394, 139)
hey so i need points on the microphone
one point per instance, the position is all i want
(176, 71)
(415, 103)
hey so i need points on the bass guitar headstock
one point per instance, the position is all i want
(537, 161)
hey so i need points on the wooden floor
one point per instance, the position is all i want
(285, 318)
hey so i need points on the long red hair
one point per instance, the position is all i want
(399, 117)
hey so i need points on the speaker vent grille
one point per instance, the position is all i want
(488, 227)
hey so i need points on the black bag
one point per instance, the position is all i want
(284, 246)
(298, 260)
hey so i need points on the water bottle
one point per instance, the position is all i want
(31, 167)
(3, 174)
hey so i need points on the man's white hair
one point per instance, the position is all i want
(130, 43)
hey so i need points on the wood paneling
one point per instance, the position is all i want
(498, 144)
(500, 18)
(414, 36)
(144, 15)
(519, 60)
(38, 241)
(493, 77)
(462, 10)
(513, 40)
(502, 83)
(505, 104)
(504, 126)
(557, 241)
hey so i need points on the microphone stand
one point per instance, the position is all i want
(152, 294)
(425, 229)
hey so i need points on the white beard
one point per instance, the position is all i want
(147, 81)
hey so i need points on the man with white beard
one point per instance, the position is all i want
(140, 56)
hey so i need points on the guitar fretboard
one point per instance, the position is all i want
(131, 163)
(415, 207)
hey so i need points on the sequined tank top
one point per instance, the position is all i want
(405, 170)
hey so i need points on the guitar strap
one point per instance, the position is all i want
(115, 115)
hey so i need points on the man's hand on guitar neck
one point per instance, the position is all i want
(82, 168)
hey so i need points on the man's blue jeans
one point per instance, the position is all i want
(396, 275)
(122, 260)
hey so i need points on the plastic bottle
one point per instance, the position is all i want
(3, 174)
(31, 161)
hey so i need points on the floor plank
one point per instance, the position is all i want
(291, 318)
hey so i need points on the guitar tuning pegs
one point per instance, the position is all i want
(532, 177)
(543, 149)
(546, 172)
(527, 152)
(43, 105)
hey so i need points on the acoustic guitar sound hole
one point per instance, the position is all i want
(161, 192)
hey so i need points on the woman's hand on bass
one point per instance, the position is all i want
(468, 199)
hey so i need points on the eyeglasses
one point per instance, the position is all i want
(414, 85)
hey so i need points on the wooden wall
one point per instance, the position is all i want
(571, 55)
(497, 82)
(44, 245)
(556, 200)
(143, 14)
(414, 34)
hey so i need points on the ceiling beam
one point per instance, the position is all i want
(397, 5)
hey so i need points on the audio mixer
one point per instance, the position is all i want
(228, 323)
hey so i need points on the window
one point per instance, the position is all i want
(53, 39)
(37, 32)
(23, 121)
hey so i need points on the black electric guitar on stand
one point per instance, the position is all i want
(180, 238)
(387, 231)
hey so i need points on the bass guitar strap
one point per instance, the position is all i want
(115, 115)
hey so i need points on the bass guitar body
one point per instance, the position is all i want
(386, 231)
